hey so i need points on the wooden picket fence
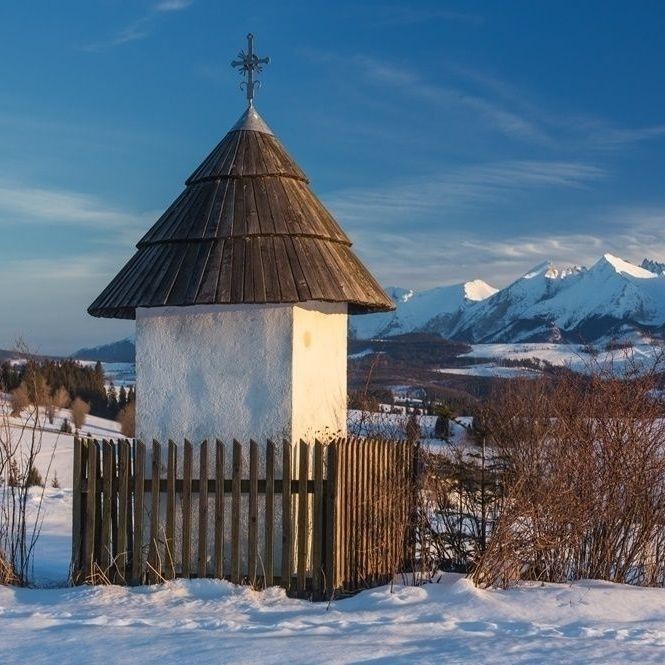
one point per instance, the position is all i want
(316, 519)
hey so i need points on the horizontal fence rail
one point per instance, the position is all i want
(313, 518)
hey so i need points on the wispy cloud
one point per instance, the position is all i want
(422, 259)
(504, 107)
(141, 27)
(428, 197)
(39, 205)
(405, 15)
(413, 84)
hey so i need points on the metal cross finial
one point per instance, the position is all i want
(248, 63)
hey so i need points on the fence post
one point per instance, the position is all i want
(187, 510)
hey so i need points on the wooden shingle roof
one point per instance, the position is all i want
(246, 229)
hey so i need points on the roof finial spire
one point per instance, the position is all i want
(248, 63)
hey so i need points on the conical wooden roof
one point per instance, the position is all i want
(246, 229)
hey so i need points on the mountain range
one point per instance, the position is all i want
(611, 300)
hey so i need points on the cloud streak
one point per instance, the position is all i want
(39, 205)
(471, 187)
(504, 107)
(141, 27)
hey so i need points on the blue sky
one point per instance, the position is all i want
(452, 140)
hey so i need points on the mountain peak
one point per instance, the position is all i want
(657, 267)
(550, 270)
(624, 267)
(477, 289)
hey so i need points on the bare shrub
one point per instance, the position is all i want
(19, 400)
(127, 420)
(21, 433)
(585, 480)
(460, 498)
(79, 410)
(59, 399)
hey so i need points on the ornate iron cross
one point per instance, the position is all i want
(248, 63)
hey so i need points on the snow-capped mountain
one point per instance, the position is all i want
(430, 311)
(613, 298)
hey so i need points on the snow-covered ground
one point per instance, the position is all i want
(205, 621)
(574, 356)
(210, 621)
(491, 370)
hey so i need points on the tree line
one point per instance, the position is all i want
(60, 381)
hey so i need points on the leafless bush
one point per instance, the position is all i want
(460, 498)
(585, 480)
(79, 410)
(19, 400)
(59, 399)
(20, 444)
(127, 420)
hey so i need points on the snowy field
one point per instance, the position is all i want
(573, 356)
(211, 621)
(450, 622)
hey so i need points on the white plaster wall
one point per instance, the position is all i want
(241, 371)
(214, 372)
(319, 370)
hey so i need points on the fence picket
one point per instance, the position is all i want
(235, 512)
(107, 484)
(91, 511)
(252, 522)
(77, 528)
(302, 526)
(154, 558)
(203, 510)
(169, 534)
(124, 504)
(331, 546)
(139, 477)
(287, 540)
(317, 521)
(186, 565)
(268, 548)
(219, 509)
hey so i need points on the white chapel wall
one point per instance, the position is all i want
(319, 370)
(213, 372)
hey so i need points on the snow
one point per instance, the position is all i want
(626, 268)
(416, 309)
(491, 370)
(209, 621)
(574, 356)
